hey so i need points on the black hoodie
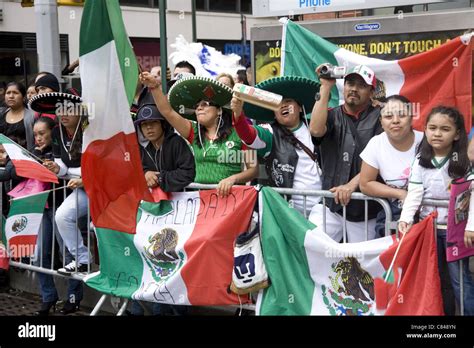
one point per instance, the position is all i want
(173, 160)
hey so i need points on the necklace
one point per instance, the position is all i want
(211, 146)
(211, 140)
(72, 140)
(14, 117)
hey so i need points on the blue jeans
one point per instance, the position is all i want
(44, 259)
(453, 270)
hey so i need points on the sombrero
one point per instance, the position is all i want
(301, 89)
(188, 91)
(50, 102)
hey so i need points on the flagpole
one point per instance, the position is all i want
(39, 193)
(283, 21)
(394, 257)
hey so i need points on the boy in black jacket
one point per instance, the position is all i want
(168, 163)
(166, 158)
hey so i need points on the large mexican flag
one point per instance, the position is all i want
(111, 165)
(313, 275)
(442, 75)
(182, 252)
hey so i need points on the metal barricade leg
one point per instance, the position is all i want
(366, 218)
(344, 225)
(324, 214)
(122, 308)
(98, 305)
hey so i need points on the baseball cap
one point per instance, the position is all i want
(148, 112)
(365, 72)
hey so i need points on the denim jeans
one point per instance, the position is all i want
(75, 203)
(44, 251)
(453, 270)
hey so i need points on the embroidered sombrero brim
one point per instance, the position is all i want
(188, 91)
(299, 88)
(49, 103)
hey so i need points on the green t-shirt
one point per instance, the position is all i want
(216, 160)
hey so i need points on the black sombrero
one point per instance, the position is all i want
(50, 102)
(299, 88)
(188, 91)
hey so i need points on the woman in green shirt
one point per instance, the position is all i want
(196, 109)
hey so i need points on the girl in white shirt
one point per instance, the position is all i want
(442, 157)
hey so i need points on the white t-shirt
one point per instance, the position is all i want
(393, 165)
(307, 173)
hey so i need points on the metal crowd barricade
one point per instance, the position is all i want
(389, 227)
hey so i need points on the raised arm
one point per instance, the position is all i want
(182, 125)
(319, 115)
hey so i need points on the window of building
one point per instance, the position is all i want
(19, 57)
(139, 3)
(201, 5)
(246, 6)
(229, 6)
(222, 6)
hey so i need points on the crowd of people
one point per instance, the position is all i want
(198, 131)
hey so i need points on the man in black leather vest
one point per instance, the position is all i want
(344, 132)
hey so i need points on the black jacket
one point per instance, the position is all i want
(174, 161)
(340, 155)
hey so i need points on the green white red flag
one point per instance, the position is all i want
(441, 76)
(111, 165)
(182, 252)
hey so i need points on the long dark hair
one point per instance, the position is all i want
(76, 147)
(459, 163)
(223, 132)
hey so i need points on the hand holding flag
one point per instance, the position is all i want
(25, 163)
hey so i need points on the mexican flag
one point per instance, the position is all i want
(442, 75)
(182, 252)
(313, 275)
(25, 165)
(111, 165)
(23, 224)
